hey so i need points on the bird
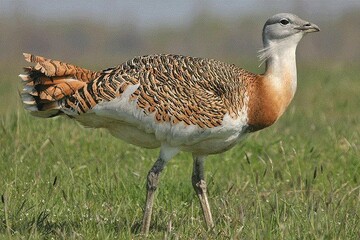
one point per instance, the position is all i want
(173, 102)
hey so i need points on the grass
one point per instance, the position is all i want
(299, 179)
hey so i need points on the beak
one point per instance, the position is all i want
(308, 28)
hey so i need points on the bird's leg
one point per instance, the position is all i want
(199, 185)
(151, 185)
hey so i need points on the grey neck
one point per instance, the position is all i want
(280, 60)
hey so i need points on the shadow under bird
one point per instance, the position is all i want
(174, 102)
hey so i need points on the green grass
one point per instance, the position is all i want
(299, 179)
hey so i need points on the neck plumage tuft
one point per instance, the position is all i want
(265, 53)
(283, 49)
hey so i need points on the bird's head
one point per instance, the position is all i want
(286, 27)
(282, 32)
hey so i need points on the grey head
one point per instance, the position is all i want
(286, 26)
(282, 33)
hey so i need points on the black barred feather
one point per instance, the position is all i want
(176, 88)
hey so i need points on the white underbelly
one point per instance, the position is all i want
(125, 120)
(200, 144)
(187, 138)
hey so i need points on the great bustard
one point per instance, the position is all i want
(174, 102)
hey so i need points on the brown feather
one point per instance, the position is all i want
(49, 81)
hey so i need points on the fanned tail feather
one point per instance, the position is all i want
(48, 82)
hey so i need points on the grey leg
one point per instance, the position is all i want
(199, 185)
(151, 185)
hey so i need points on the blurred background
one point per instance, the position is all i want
(100, 34)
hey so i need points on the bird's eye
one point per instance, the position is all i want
(284, 22)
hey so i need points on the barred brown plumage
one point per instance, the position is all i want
(201, 95)
(175, 102)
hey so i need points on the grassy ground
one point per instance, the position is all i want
(299, 179)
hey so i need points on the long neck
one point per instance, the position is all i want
(275, 89)
(280, 71)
